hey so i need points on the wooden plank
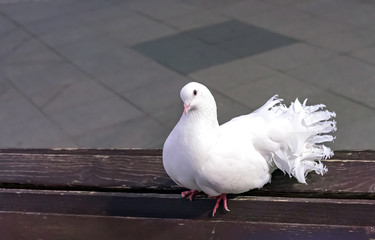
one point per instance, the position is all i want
(14, 225)
(243, 208)
(142, 171)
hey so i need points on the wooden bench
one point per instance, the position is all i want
(125, 194)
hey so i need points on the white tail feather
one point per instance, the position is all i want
(308, 128)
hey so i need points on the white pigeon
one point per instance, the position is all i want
(241, 154)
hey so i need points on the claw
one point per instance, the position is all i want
(189, 194)
(219, 198)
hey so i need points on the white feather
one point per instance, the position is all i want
(241, 154)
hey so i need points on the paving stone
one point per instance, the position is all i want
(277, 19)
(156, 96)
(42, 82)
(244, 8)
(63, 30)
(310, 27)
(105, 14)
(134, 28)
(101, 55)
(228, 108)
(170, 115)
(141, 132)
(159, 9)
(222, 32)
(360, 91)
(85, 118)
(255, 94)
(292, 56)
(349, 117)
(196, 20)
(344, 40)
(141, 75)
(232, 74)
(250, 45)
(81, 6)
(333, 72)
(28, 12)
(183, 53)
(75, 94)
(359, 135)
(5, 26)
(219, 43)
(11, 41)
(7, 91)
(23, 124)
(366, 54)
(31, 51)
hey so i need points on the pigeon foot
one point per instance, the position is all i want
(219, 198)
(189, 194)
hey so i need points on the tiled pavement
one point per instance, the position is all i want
(107, 73)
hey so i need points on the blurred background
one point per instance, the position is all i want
(107, 73)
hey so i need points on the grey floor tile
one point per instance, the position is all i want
(75, 94)
(359, 135)
(7, 91)
(28, 12)
(42, 82)
(78, 7)
(277, 19)
(158, 9)
(360, 91)
(63, 30)
(31, 51)
(344, 40)
(196, 20)
(257, 93)
(183, 53)
(25, 126)
(170, 115)
(232, 74)
(134, 28)
(349, 117)
(157, 96)
(333, 72)
(141, 75)
(108, 13)
(222, 32)
(11, 41)
(258, 43)
(101, 55)
(292, 56)
(204, 47)
(6, 25)
(228, 108)
(244, 8)
(366, 54)
(141, 132)
(85, 118)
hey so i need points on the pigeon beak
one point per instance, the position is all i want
(186, 107)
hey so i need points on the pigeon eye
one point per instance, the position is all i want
(195, 92)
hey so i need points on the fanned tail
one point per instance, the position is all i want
(307, 127)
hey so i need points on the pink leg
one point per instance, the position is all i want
(219, 198)
(189, 194)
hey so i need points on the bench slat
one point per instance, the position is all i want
(243, 208)
(52, 226)
(142, 171)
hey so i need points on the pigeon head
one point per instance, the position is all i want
(196, 97)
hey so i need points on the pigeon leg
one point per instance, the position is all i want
(219, 198)
(189, 194)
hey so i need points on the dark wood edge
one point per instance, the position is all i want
(243, 209)
(61, 226)
(339, 154)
